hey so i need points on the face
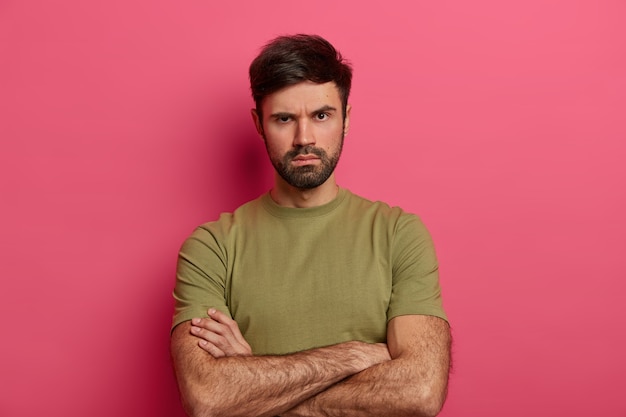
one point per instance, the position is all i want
(303, 128)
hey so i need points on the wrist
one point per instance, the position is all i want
(369, 354)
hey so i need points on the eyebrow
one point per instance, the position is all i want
(322, 109)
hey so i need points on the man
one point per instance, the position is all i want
(309, 300)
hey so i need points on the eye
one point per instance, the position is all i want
(283, 119)
(322, 116)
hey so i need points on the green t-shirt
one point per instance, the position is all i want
(296, 279)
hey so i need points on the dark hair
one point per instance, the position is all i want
(289, 60)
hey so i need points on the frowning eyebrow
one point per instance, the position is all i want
(322, 109)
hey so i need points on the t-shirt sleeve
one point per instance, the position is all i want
(415, 271)
(200, 277)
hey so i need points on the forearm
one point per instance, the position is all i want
(269, 385)
(390, 388)
(263, 385)
(414, 383)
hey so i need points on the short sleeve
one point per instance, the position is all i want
(200, 277)
(415, 271)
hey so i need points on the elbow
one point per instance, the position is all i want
(432, 406)
(193, 406)
(197, 404)
(199, 409)
(427, 403)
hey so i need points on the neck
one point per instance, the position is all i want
(286, 195)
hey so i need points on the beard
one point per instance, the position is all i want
(308, 176)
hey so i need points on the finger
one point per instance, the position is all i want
(230, 330)
(231, 324)
(208, 335)
(230, 333)
(219, 322)
(228, 345)
(211, 349)
(225, 345)
(211, 325)
(219, 316)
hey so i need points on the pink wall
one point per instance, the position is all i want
(124, 124)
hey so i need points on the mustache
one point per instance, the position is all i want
(305, 150)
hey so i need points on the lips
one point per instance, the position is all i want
(305, 160)
(305, 157)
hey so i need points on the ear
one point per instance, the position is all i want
(258, 123)
(346, 120)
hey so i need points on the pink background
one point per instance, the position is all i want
(124, 124)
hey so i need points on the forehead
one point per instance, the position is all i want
(305, 96)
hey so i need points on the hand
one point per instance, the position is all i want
(220, 335)
(373, 354)
(382, 352)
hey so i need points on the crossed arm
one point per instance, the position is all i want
(413, 383)
(217, 374)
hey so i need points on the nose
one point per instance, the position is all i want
(304, 134)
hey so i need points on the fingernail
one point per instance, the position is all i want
(211, 311)
(195, 321)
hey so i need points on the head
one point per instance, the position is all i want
(303, 84)
(290, 60)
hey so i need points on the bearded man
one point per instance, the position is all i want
(309, 300)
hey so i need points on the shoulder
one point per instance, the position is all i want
(404, 231)
(219, 231)
(380, 211)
